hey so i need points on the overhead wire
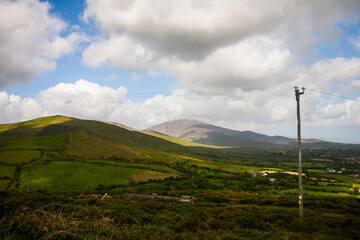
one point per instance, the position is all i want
(196, 92)
(332, 95)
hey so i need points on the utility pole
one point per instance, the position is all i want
(301, 201)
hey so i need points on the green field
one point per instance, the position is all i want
(60, 176)
(150, 175)
(7, 171)
(155, 167)
(19, 156)
(3, 184)
(53, 170)
(178, 140)
(346, 179)
(33, 143)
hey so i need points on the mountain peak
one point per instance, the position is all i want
(205, 133)
(175, 128)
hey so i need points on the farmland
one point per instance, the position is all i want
(240, 193)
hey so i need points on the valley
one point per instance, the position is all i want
(239, 192)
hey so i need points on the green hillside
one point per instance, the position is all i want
(176, 140)
(204, 133)
(54, 170)
(58, 125)
(36, 154)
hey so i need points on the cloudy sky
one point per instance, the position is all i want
(232, 63)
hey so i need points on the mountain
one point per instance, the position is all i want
(83, 138)
(205, 133)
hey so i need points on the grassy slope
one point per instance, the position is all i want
(177, 140)
(30, 145)
(86, 156)
(249, 216)
(74, 176)
(32, 127)
(147, 175)
(73, 140)
(7, 171)
(83, 138)
(57, 125)
(19, 156)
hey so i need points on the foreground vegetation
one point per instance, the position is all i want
(53, 170)
(248, 216)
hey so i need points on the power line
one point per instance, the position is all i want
(196, 92)
(332, 95)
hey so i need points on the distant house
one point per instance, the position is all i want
(331, 170)
(266, 172)
(254, 174)
(272, 179)
(106, 196)
(353, 175)
(186, 199)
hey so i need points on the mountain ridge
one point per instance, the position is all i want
(171, 135)
(205, 133)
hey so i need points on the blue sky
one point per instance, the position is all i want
(70, 67)
(229, 63)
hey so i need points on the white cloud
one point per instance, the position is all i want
(193, 29)
(236, 61)
(30, 40)
(270, 112)
(356, 84)
(250, 63)
(246, 44)
(327, 73)
(187, 29)
(14, 108)
(82, 99)
(346, 113)
(118, 51)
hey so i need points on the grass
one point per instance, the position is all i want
(87, 145)
(328, 188)
(317, 171)
(32, 127)
(153, 167)
(64, 176)
(7, 171)
(232, 168)
(314, 193)
(178, 140)
(350, 180)
(37, 123)
(58, 216)
(3, 184)
(19, 156)
(41, 142)
(53, 155)
(147, 175)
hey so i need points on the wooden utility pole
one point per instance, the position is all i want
(301, 200)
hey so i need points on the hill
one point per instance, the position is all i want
(54, 170)
(53, 126)
(205, 133)
(84, 154)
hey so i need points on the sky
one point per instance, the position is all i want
(231, 63)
